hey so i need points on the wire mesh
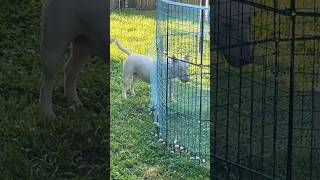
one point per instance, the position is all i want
(180, 84)
(266, 95)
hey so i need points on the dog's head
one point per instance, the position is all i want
(181, 68)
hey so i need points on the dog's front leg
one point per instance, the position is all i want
(171, 89)
(79, 56)
(46, 90)
(50, 58)
(126, 80)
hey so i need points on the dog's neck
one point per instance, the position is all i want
(173, 68)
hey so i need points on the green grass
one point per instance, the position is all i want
(135, 151)
(31, 146)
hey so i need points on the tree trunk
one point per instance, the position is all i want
(152, 4)
(146, 4)
(122, 4)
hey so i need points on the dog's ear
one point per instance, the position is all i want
(187, 58)
(174, 59)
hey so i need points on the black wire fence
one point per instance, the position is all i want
(265, 95)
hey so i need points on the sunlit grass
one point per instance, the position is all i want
(135, 151)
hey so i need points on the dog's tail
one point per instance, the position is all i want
(121, 47)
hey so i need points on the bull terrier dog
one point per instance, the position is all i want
(138, 66)
(81, 23)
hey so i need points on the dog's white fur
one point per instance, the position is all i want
(80, 23)
(138, 66)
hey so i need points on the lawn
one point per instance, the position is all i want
(135, 151)
(32, 147)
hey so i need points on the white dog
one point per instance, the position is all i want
(138, 66)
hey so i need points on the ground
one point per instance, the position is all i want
(135, 151)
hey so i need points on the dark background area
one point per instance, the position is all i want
(31, 146)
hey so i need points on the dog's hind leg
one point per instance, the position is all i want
(134, 80)
(79, 56)
(126, 76)
(169, 93)
(51, 55)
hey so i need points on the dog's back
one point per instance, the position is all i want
(139, 64)
(76, 20)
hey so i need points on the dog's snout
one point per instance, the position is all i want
(185, 78)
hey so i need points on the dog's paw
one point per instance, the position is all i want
(75, 101)
(49, 113)
(124, 95)
(74, 105)
(73, 108)
(78, 103)
(173, 99)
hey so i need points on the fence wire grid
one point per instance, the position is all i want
(180, 85)
(266, 96)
